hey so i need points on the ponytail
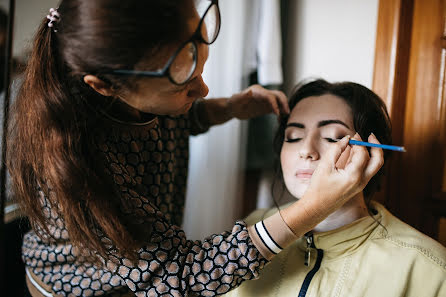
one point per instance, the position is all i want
(49, 148)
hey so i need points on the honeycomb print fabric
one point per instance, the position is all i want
(149, 166)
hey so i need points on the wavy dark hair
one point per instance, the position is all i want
(49, 144)
(369, 115)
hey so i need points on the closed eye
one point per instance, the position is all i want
(331, 139)
(293, 140)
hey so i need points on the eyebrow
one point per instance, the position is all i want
(319, 124)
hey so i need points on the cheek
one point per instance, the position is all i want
(287, 160)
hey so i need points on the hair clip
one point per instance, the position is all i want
(54, 18)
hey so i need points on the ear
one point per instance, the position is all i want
(98, 85)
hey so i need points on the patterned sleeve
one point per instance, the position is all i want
(198, 125)
(171, 265)
(168, 265)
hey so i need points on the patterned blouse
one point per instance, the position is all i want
(149, 166)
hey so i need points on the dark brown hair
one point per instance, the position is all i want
(369, 115)
(48, 144)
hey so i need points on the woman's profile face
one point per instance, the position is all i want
(159, 95)
(314, 124)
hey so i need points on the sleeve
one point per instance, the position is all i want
(171, 265)
(198, 124)
(168, 264)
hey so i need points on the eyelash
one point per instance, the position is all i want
(293, 140)
(331, 140)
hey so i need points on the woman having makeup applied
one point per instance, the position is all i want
(98, 154)
(360, 249)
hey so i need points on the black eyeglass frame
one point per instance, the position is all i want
(165, 70)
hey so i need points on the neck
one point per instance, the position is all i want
(120, 111)
(353, 210)
(125, 111)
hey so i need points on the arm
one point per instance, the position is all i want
(171, 263)
(252, 102)
(168, 262)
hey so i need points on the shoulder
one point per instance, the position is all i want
(262, 213)
(405, 237)
(258, 215)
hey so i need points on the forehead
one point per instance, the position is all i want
(319, 108)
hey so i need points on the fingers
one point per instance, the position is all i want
(282, 100)
(276, 100)
(333, 155)
(344, 158)
(274, 105)
(359, 159)
(376, 159)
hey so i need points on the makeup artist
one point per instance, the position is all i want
(98, 153)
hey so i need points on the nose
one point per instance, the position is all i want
(308, 149)
(198, 89)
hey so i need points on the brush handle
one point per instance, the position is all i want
(383, 146)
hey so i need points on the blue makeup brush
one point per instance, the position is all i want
(383, 146)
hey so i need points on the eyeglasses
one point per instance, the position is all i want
(182, 64)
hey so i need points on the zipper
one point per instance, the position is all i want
(317, 265)
(310, 244)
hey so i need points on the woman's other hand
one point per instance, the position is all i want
(256, 101)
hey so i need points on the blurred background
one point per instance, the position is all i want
(395, 47)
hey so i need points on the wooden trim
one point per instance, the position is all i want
(410, 75)
(385, 49)
(392, 49)
(442, 104)
(392, 54)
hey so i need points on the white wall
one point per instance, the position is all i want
(332, 39)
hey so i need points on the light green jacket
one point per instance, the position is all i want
(359, 259)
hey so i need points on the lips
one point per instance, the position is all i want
(304, 173)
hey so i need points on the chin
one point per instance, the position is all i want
(297, 191)
(181, 111)
(298, 195)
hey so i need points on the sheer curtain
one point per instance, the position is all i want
(216, 158)
(249, 40)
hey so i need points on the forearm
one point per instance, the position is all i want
(302, 216)
(215, 111)
(252, 102)
(276, 232)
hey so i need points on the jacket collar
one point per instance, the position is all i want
(347, 239)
